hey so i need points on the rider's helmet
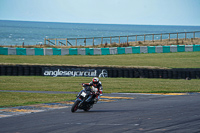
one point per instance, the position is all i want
(95, 81)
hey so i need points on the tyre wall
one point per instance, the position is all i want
(39, 70)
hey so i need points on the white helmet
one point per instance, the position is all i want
(95, 80)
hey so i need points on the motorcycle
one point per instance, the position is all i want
(82, 102)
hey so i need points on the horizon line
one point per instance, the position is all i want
(97, 23)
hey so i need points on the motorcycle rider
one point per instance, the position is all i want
(96, 87)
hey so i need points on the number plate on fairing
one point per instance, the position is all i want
(83, 94)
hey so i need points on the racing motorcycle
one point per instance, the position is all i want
(82, 102)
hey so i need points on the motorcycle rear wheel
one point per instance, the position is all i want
(75, 106)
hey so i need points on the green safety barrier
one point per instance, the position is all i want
(89, 51)
(21, 51)
(196, 47)
(39, 51)
(136, 50)
(151, 49)
(105, 51)
(166, 49)
(121, 50)
(180, 48)
(73, 51)
(56, 51)
(98, 51)
(3, 51)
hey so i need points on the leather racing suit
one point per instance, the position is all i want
(96, 88)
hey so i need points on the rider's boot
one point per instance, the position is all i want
(95, 100)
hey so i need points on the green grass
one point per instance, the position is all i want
(9, 99)
(110, 85)
(169, 60)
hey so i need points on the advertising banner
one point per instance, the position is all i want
(75, 72)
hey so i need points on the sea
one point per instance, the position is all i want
(34, 33)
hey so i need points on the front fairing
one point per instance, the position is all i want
(82, 96)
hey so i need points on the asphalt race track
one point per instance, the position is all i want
(144, 113)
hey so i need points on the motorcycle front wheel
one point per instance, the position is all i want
(75, 106)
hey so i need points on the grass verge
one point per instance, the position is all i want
(9, 99)
(110, 85)
(164, 60)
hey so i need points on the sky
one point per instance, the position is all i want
(141, 12)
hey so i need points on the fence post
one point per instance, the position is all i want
(93, 41)
(56, 41)
(153, 37)
(185, 36)
(76, 41)
(127, 39)
(66, 42)
(85, 41)
(177, 38)
(136, 38)
(161, 37)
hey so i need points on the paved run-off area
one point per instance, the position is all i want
(114, 113)
(21, 110)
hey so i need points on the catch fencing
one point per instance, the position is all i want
(122, 39)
